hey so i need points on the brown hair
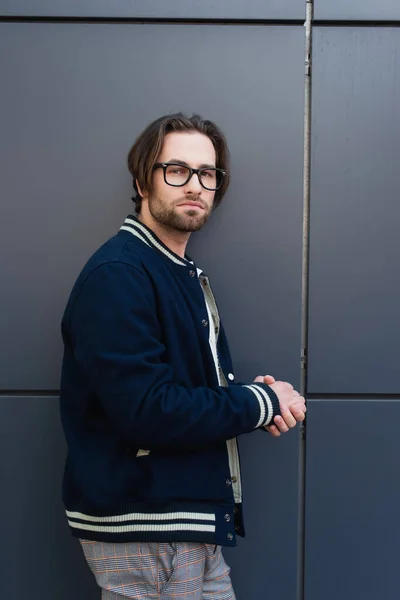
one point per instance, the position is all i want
(147, 147)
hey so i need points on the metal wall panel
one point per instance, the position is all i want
(352, 500)
(357, 10)
(354, 288)
(39, 559)
(69, 117)
(173, 9)
(264, 564)
(73, 104)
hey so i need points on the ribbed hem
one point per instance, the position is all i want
(275, 405)
(140, 522)
(268, 403)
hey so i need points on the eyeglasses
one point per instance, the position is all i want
(178, 175)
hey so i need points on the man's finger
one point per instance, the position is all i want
(281, 424)
(298, 412)
(273, 430)
(268, 379)
(298, 405)
(288, 417)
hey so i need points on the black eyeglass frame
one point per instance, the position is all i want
(198, 172)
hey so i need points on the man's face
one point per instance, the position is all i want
(185, 208)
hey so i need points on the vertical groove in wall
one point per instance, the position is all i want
(304, 293)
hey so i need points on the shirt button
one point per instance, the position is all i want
(231, 376)
(228, 482)
(204, 322)
(234, 479)
(230, 537)
(192, 273)
(227, 518)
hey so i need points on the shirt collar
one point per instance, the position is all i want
(146, 235)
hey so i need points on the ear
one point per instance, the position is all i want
(138, 188)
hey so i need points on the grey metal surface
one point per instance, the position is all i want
(263, 565)
(39, 559)
(68, 120)
(357, 10)
(353, 495)
(72, 106)
(354, 341)
(173, 9)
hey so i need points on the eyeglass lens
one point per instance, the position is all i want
(210, 179)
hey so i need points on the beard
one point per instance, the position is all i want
(187, 222)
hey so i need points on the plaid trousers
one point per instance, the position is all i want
(159, 571)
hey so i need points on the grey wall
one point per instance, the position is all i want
(353, 494)
(354, 288)
(173, 9)
(39, 558)
(352, 490)
(69, 116)
(87, 91)
(384, 10)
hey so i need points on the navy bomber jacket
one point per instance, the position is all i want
(150, 430)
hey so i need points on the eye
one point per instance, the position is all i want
(176, 170)
(208, 173)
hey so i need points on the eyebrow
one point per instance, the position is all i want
(185, 164)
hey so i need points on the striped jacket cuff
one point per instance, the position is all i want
(268, 403)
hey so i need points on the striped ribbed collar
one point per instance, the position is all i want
(147, 236)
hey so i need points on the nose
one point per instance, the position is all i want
(193, 186)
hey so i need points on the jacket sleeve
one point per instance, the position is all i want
(117, 341)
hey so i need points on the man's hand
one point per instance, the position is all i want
(268, 379)
(292, 405)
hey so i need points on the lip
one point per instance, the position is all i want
(192, 205)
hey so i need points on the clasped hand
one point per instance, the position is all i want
(292, 405)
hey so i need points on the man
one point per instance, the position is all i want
(149, 405)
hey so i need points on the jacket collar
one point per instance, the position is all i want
(147, 236)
